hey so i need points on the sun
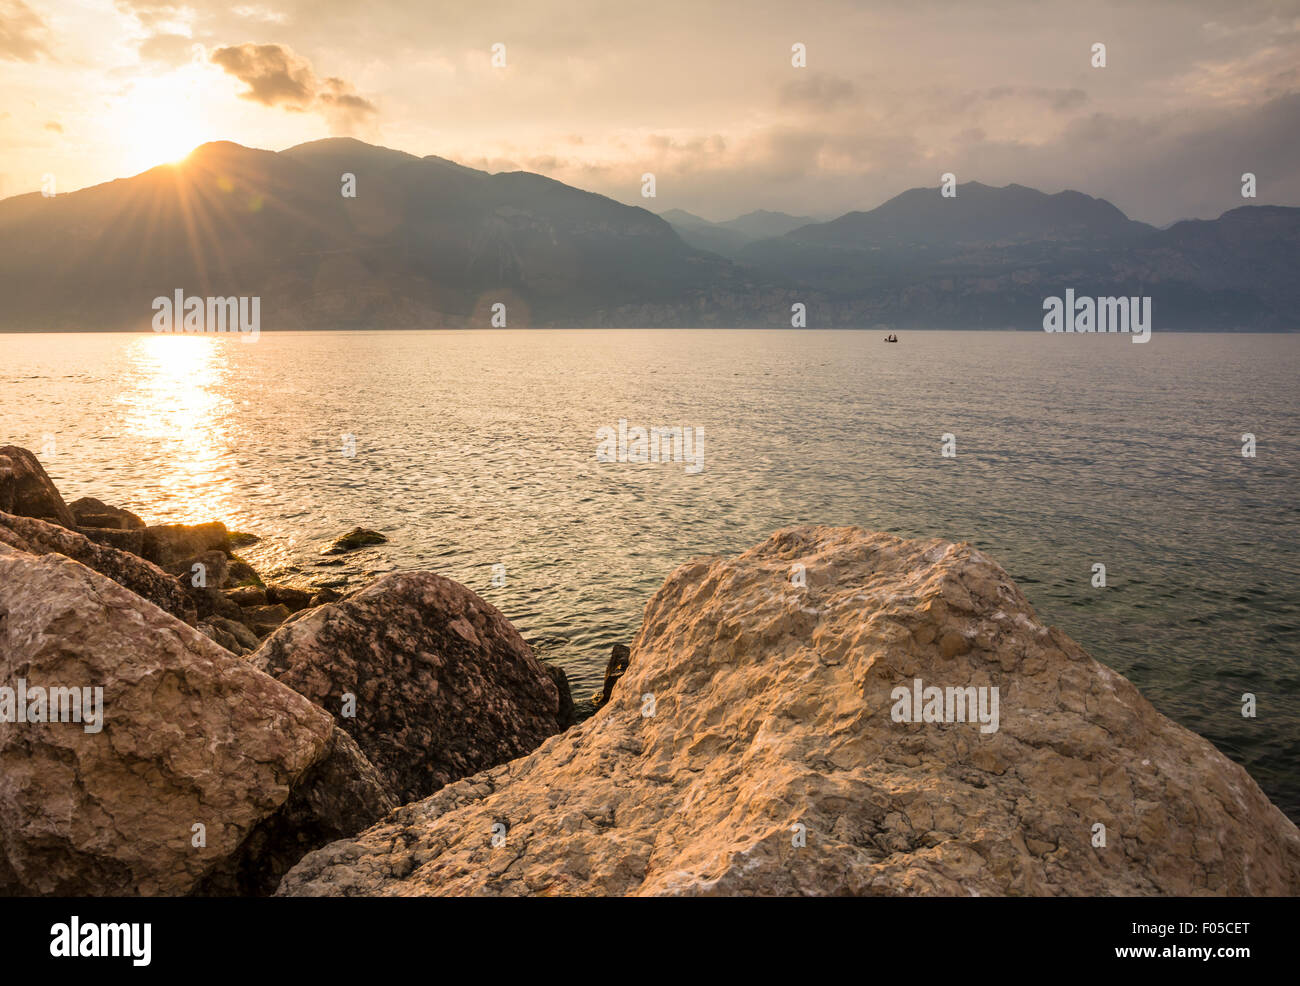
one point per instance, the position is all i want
(159, 119)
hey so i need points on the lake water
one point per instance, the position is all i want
(475, 449)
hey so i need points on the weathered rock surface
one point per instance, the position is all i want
(262, 620)
(247, 595)
(141, 577)
(220, 635)
(243, 635)
(444, 685)
(90, 512)
(207, 571)
(240, 573)
(170, 546)
(566, 714)
(755, 713)
(289, 596)
(191, 735)
(26, 489)
(130, 541)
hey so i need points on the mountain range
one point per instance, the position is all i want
(426, 242)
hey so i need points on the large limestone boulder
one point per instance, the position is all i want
(443, 685)
(201, 775)
(26, 489)
(753, 747)
(141, 577)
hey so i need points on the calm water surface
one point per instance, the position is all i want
(478, 448)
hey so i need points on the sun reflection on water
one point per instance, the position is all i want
(177, 405)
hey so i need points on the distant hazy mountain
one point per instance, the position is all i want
(728, 238)
(989, 256)
(427, 242)
(761, 223)
(922, 218)
(680, 217)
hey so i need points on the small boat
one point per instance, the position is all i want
(891, 338)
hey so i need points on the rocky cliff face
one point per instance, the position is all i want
(754, 746)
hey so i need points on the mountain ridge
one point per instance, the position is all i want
(428, 242)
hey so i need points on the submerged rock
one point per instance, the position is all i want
(26, 489)
(143, 578)
(356, 538)
(757, 745)
(443, 686)
(204, 774)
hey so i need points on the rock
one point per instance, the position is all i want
(243, 635)
(263, 619)
(339, 796)
(247, 595)
(136, 574)
(215, 604)
(566, 714)
(190, 736)
(291, 597)
(210, 570)
(220, 636)
(242, 539)
(90, 512)
(242, 573)
(294, 618)
(619, 657)
(325, 595)
(170, 545)
(444, 686)
(130, 541)
(752, 748)
(27, 491)
(212, 566)
(356, 538)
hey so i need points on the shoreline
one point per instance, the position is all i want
(872, 714)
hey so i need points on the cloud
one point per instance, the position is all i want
(22, 32)
(168, 49)
(263, 15)
(151, 12)
(822, 90)
(277, 76)
(340, 97)
(54, 127)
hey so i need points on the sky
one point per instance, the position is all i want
(704, 96)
